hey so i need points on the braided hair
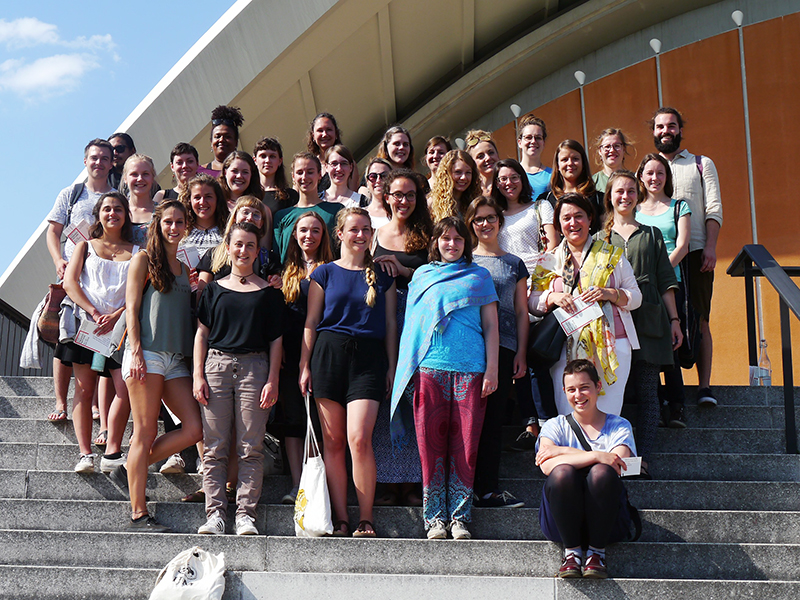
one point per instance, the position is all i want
(369, 266)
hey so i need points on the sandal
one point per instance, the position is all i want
(362, 531)
(341, 529)
(102, 439)
(198, 496)
(57, 415)
(95, 413)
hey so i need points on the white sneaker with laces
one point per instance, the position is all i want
(245, 525)
(437, 531)
(459, 531)
(85, 464)
(174, 464)
(214, 526)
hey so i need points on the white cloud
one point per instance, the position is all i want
(30, 31)
(49, 76)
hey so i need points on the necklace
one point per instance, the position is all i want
(243, 278)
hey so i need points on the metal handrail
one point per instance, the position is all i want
(755, 261)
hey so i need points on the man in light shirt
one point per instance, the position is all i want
(695, 180)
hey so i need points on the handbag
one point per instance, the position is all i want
(49, 317)
(312, 508)
(625, 517)
(194, 574)
(547, 339)
(273, 459)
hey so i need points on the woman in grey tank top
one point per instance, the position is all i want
(158, 316)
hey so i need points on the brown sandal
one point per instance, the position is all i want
(361, 530)
(341, 529)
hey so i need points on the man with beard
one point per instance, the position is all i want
(695, 180)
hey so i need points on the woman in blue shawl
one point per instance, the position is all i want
(448, 353)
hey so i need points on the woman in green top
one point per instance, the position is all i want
(657, 323)
(158, 316)
(612, 148)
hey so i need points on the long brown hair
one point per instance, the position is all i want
(585, 183)
(221, 210)
(254, 188)
(127, 227)
(418, 225)
(295, 270)
(161, 276)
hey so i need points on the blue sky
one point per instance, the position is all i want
(70, 72)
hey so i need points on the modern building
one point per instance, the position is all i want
(446, 66)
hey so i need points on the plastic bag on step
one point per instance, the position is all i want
(194, 574)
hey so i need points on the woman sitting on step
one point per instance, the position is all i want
(584, 502)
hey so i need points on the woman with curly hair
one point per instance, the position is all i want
(207, 213)
(348, 360)
(158, 316)
(401, 247)
(455, 186)
(225, 124)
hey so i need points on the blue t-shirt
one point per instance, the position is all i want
(506, 271)
(616, 432)
(460, 347)
(666, 223)
(345, 309)
(540, 182)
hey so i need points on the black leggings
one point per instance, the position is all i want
(584, 503)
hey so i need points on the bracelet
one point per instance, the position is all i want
(674, 319)
(617, 298)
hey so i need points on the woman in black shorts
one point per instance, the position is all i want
(350, 351)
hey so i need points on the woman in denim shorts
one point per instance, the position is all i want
(237, 359)
(158, 316)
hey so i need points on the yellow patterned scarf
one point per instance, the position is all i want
(596, 338)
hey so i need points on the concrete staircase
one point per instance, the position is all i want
(721, 520)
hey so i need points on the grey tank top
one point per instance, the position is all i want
(166, 319)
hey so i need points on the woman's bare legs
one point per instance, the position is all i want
(85, 381)
(118, 414)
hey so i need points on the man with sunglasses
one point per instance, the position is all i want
(123, 146)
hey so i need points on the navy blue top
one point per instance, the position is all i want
(345, 309)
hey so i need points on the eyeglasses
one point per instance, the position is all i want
(530, 138)
(477, 139)
(254, 214)
(487, 219)
(339, 164)
(508, 179)
(399, 196)
(373, 177)
(120, 148)
(610, 147)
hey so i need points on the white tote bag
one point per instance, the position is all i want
(192, 575)
(312, 509)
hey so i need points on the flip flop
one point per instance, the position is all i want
(57, 415)
(95, 414)
(102, 439)
(339, 531)
(198, 496)
(361, 531)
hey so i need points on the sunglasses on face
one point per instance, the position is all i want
(373, 177)
(120, 148)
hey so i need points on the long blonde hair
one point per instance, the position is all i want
(369, 267)
(295, 270)
(219, 256)
(442, 202)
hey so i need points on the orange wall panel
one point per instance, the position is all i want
(563, 119)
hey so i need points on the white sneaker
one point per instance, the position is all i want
(245, 525)
(437, 531)
(199, 466)
(459, 531)
(85, 464)
(109, 464)
(174, 464)
(214, 526)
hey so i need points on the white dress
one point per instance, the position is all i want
(103, 280)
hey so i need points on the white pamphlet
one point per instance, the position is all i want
(634, 464)
(583, 315)
(77, 232)
(102, 344)
(189, 256)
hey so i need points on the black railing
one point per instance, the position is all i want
(755, 261)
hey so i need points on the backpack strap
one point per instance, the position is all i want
(578, 432)
(74, 194)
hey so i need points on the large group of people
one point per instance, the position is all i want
(402, 303)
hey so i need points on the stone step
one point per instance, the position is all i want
(697, 467)
(134, 550)
(662, 560)
(769, 527)
(663, 494)
(42, 430)
(23, 582)
(648, 560)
